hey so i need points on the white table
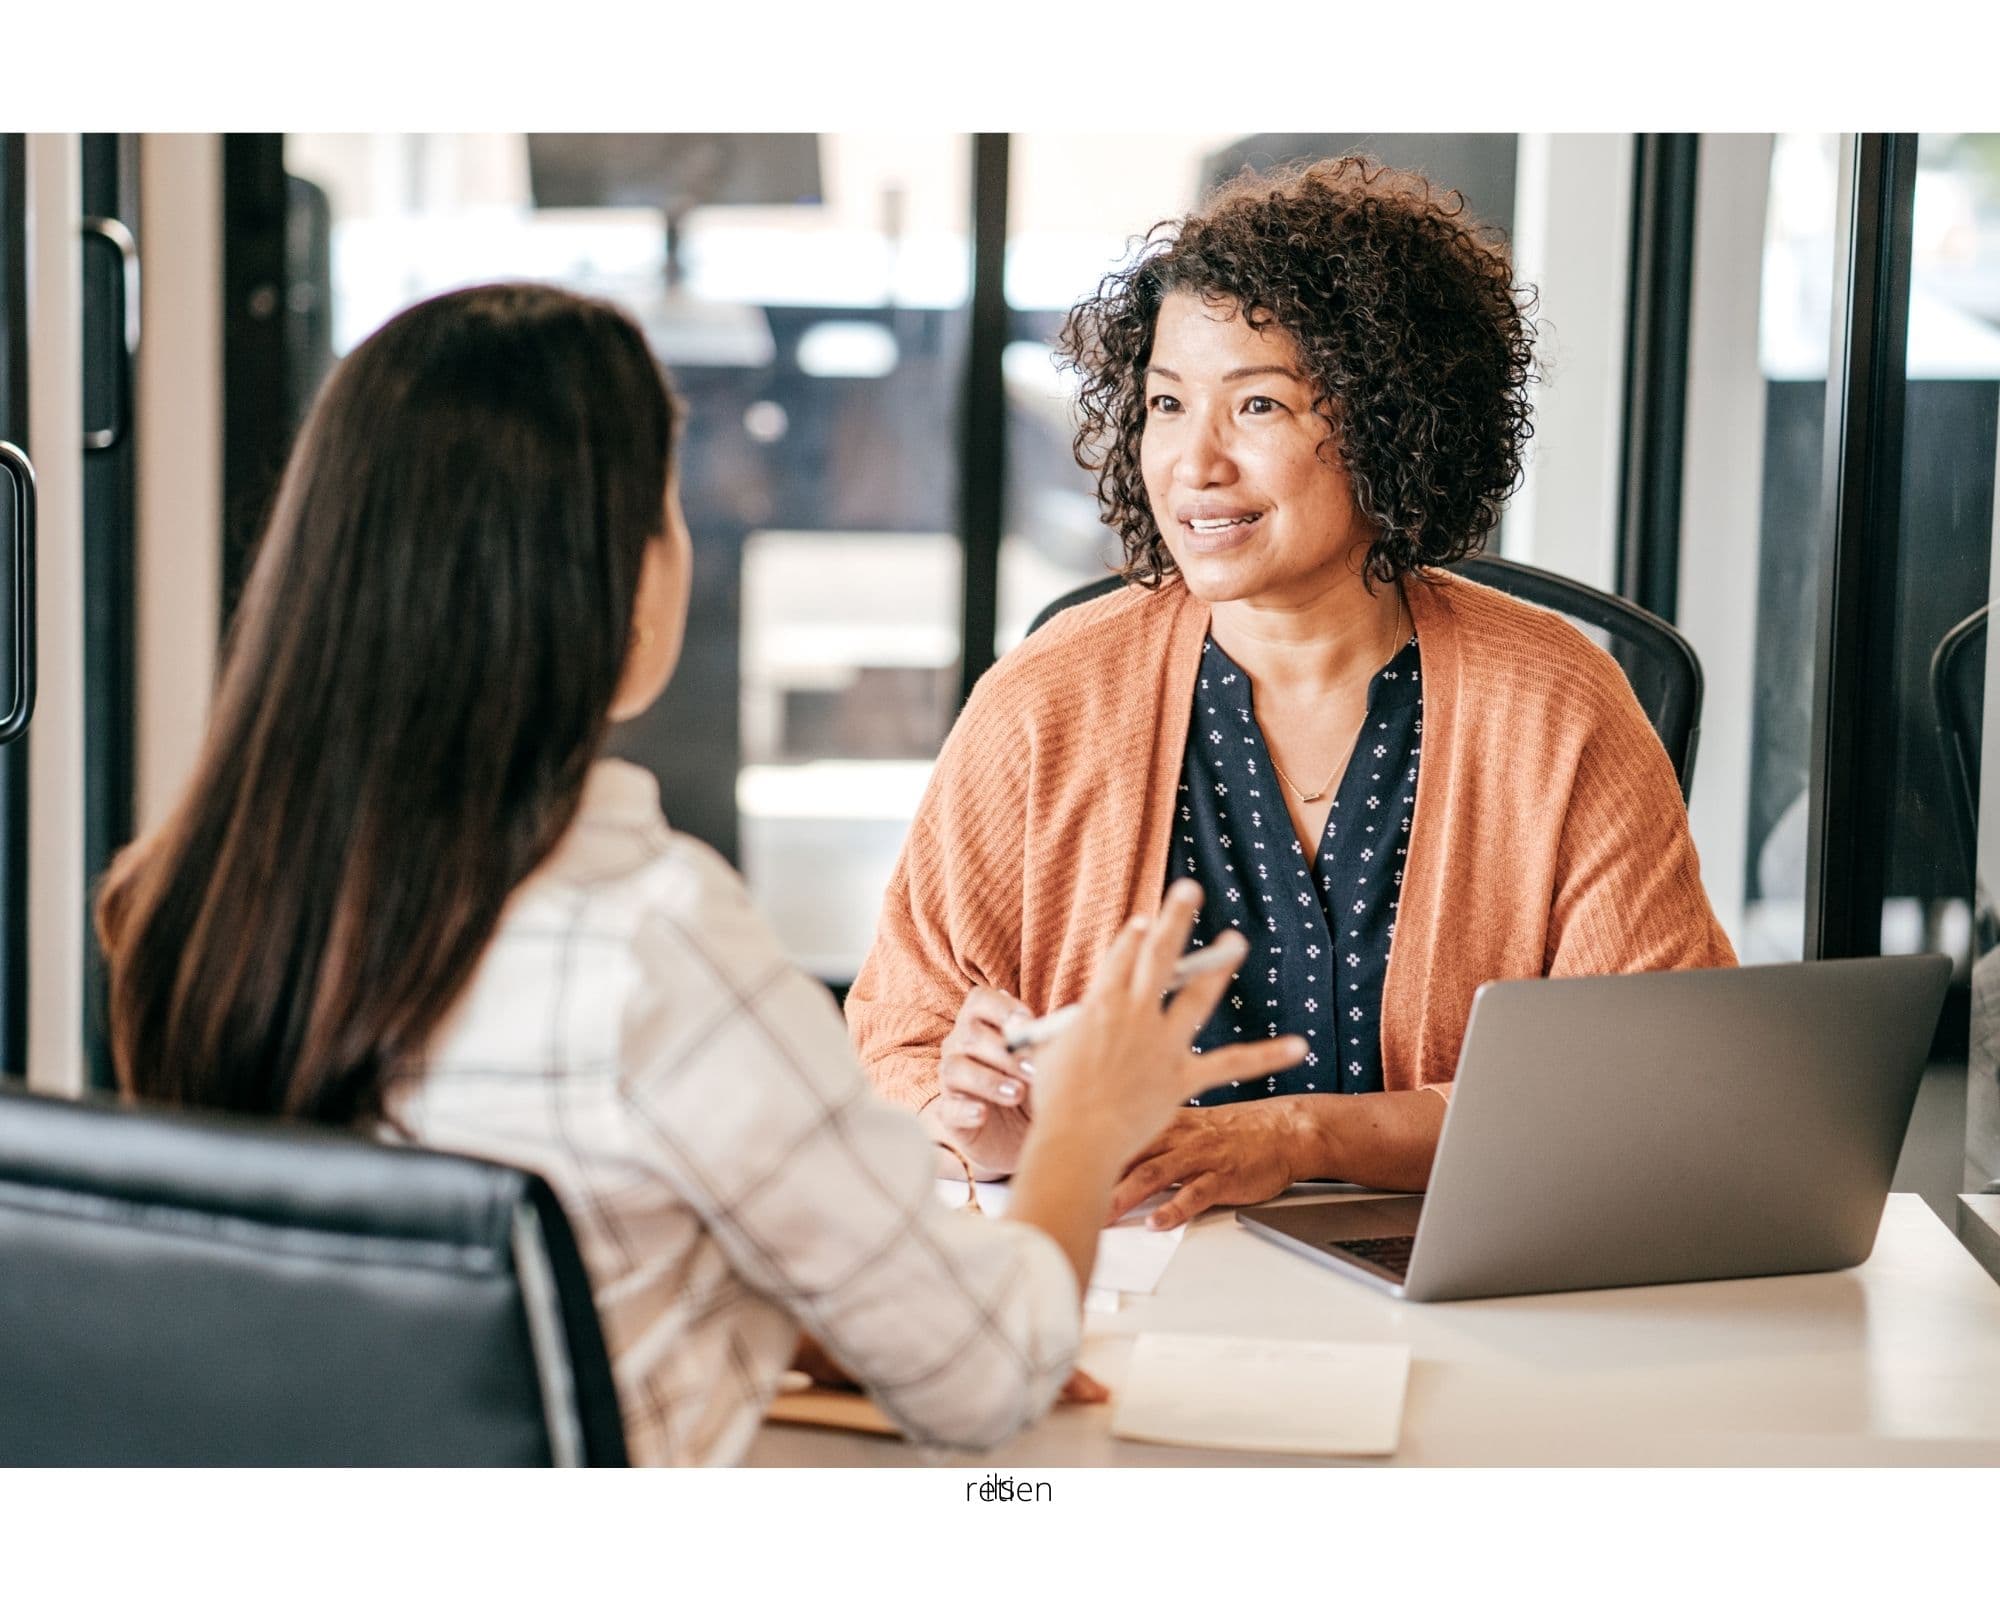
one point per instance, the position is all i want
(1896, 1361)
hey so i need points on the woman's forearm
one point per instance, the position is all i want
(1381, 1141)
(1064, 1188)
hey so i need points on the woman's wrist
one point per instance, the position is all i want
(1071, 1147)
(1384, 1140)
(955, 1140)
(1063, 1187)
(1311, 1136)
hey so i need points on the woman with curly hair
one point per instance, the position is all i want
(1303, 404)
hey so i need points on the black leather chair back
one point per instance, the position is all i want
(1660, 664)
(1958, 693)
(180, 1290)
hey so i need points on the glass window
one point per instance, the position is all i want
(808, 293)
(1946, 490)
(1947, 509)
(1945, 854)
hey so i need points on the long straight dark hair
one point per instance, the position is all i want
(415, 684)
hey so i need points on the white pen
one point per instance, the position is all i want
(1038, 1030)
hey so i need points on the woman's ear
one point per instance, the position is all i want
(659, 616)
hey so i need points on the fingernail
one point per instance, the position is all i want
(975, 1113)
(1025, 1068)
(1010, 1091)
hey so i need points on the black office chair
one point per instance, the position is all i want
(1958, 693)
(181, 1290)
(1661, 665)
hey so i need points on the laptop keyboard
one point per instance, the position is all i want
(1391, 1254)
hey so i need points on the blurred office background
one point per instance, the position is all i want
(878, 474)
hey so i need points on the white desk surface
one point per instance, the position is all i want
(1894, 1362)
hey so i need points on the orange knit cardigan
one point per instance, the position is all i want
(1549, 836)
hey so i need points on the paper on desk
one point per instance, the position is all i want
(1130, 1256)
(1308, 1397)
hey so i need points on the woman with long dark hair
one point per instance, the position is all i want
(402, 893)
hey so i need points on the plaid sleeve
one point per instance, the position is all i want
(821, 1195)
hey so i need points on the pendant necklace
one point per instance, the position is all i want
(1396, 631)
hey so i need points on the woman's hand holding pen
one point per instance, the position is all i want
(982, 1104)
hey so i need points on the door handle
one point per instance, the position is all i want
(110, 231)
(20, 474)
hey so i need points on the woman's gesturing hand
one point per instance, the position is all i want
(1126, 1063)
(1107, 1085)
(982, 1104)
(1233, 1155)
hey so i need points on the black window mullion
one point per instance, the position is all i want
(257, 421)
(110, 488)
(1656, 369)
(982, 461)
(1854, 681)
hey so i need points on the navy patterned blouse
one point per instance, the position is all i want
(1319, 931)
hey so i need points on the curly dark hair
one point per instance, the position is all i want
(1414, 336)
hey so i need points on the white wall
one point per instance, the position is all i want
(1722, 499)
(57, 922)
(179, 544)
(1572, 238)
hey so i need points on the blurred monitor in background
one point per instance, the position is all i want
(674, 172)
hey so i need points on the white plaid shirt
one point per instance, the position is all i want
(634, 1034)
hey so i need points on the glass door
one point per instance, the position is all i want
(16, 603)
(1946, 858)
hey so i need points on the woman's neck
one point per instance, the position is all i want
(1312, 644)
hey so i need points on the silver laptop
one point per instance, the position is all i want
(1652, 1128)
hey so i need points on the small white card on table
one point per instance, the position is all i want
(1131, 1257)
(1302, 1396)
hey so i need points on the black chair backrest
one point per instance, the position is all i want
(181, 1290)
(1660, 664)
(1958, 692)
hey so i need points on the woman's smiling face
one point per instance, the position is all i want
(1248, 502)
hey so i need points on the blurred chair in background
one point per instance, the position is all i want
(1958, 691)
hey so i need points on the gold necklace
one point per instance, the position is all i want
(1395, 633)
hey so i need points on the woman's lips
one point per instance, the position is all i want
(1209, 535)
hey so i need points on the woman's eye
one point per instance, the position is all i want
(1260, 405)
(1162, 402)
